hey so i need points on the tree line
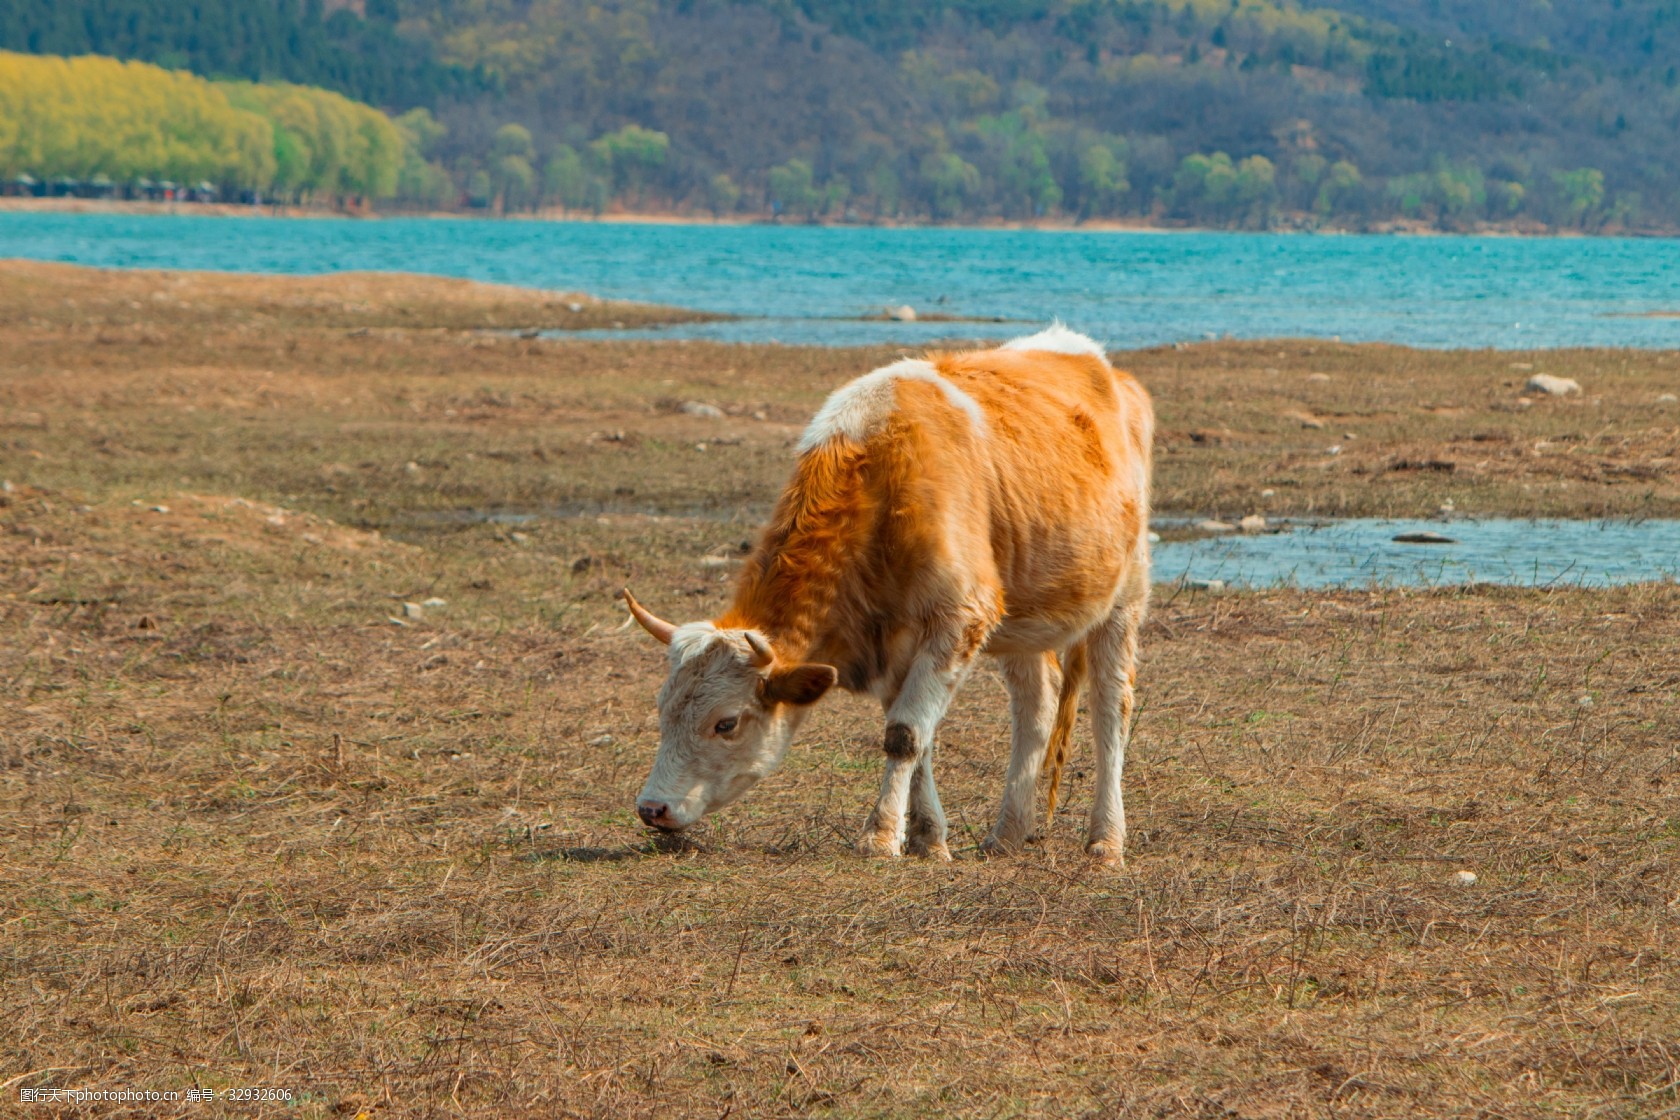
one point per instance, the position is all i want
(1016, 165)
(1241, 114)
(97, 118)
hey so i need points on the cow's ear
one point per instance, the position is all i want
(801, 684)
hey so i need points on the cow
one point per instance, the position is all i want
(984, 501)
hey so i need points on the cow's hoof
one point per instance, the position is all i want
(937, 852)
(1109, 853)
(874, 845)
(995, 845)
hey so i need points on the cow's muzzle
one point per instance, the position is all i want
(657, 814)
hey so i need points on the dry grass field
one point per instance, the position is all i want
(263, 825)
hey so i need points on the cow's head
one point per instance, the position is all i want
(727, 712)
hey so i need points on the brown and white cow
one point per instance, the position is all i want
(988, 501)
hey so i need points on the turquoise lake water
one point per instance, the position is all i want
(811, 284)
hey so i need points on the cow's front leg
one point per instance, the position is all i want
(912, 719)
(925, 835)
(905, 745)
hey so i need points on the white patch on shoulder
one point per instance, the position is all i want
(856, 409)
(689, 639)
(1058, 339)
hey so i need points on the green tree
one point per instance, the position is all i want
(793, 189)
(421, 130)
(1254, 191)
(722, 195)
(1506, 197)
(1306, 173)
(1460, 193)
(1338, 184)
(422, 181)
(512, 179)
(568, 181)
(1021, 164)
(632, 155)
(325, 143)
(92, 116)
(1580, 194)
(952, 183)
(1102, 181)
(1205, 187)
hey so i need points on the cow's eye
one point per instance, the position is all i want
(725, 726)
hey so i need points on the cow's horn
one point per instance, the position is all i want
(762, 655)
(651, 622)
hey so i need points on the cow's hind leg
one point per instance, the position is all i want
(1113, 647)
(912, 718)
(1032, 712)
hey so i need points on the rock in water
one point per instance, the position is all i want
(1253, 523)
(1423, 536)
(1552, 386)
(903, 313)
(1212, 526)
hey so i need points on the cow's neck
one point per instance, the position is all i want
(792, 580)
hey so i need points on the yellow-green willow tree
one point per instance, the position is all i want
(81, 117)
(324, 143)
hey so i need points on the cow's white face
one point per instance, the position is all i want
(727, 713)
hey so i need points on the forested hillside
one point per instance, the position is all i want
(1243, 113)
(351, 48)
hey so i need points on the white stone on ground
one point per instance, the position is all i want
(1552, 386)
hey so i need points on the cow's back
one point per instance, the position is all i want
(1027, 469)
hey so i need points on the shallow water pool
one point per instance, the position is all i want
(1360, 552)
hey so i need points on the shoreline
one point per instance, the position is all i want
(567, 309)
(1391, 228)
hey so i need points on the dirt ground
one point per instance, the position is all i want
(314, 778)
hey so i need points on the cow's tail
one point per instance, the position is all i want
(1061, 734)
